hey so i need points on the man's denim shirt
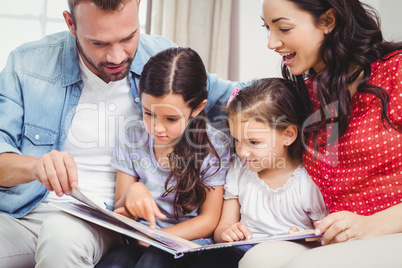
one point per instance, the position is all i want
(39, 91)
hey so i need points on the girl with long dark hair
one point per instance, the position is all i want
(170, 166)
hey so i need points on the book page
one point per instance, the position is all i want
(95, 212)
(301, 235)
(171, 241)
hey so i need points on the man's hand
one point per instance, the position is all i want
(57, 171)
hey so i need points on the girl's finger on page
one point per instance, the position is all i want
(123, 211)
(293, 229)
(239, 233)
(158, 213)
(246, 232)
(119, 210)
(226, 237)
(131, 210)
(150, 215)
(232, 235)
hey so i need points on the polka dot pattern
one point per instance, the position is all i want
(362, 171)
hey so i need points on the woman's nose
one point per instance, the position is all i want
(273, 41)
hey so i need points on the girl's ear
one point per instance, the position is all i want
(328, 20)
(199, 108)
(289, 135)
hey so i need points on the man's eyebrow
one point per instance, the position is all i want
(124, 39)
(130, 35)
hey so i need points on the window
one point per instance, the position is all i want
(27, 20)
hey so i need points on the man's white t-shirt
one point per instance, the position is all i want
(103, 109)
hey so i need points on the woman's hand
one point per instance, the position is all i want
(140, 203)
(236, 232)
(345, 226)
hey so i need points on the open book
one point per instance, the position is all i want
(95, 212)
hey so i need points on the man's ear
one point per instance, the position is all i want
(289, 135)
(199, 108)
(70, 23)
(328, 20)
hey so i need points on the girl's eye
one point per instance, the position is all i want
(148, 114)
(254, 142)
(172, 119)
(284, 30)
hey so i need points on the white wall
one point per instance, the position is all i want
(257, 61)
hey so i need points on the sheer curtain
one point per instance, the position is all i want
(203, 25)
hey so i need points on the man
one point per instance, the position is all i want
(63, 100)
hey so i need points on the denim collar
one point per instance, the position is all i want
(70, 69)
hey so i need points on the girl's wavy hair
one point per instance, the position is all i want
(181, 71)
(355, 42)
(275, 102)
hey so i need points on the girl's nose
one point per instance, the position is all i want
(158, 126)
(241, 150)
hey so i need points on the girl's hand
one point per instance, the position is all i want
(123, 211)
(293, 229)
(344, 226)
(140, 203)
(236, 232)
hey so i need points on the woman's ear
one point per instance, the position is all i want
(328, 20)
(289, 135)
(199, 108)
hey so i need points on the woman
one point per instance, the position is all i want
(352, 80)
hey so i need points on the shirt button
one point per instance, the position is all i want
(326, 177)
(37, 137)
(137, 99)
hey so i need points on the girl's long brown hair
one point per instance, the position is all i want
(181, 71)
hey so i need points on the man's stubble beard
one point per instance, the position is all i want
(103, 74)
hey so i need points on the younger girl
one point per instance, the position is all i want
(268, 191)
(168, 165)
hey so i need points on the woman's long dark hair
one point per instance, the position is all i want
(181, 71)
(355, 42)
